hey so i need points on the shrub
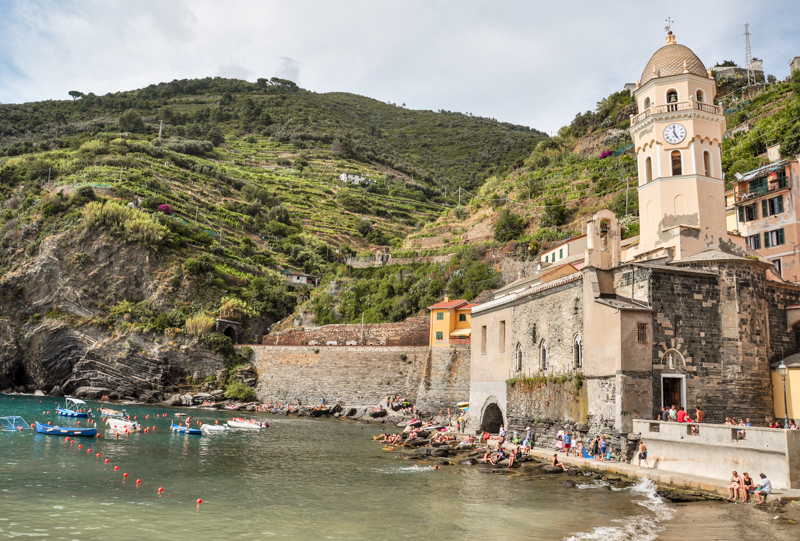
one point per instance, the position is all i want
(132, 224)
(555, 212)
(233, 308)
(131, 121)
(460, 213)
(509, 226)
(201, 265)
(200, 324)
(219, 343)
(95, 147)
(240, 391)
(246, 353)
(143, 230)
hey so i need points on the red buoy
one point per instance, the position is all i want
(160, 490)
(65, 439)
(106, 461)
(98, 455)
(124, 475)
(116, 468)
(138, 481)
(80, 446)
(199, 501)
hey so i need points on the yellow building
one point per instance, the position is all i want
(792, 388)
(451, 323)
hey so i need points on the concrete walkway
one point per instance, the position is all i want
(661, 477)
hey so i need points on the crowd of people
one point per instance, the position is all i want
(744, 486)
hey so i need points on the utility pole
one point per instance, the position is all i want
(627, 187)
(362, 328)
(459, 196)
(748, 57)
(160, 125)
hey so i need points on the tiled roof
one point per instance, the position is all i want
(448, 304)
(669, 60)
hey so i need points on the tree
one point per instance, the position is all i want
(555, 212)
(131, 121)
(509, 226)
(216, 136)
(364, 227)
(790, 147)
(75, 94)
(531, 186)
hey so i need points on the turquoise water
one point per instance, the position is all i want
(300, 479)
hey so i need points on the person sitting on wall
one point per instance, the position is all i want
(698, 414)
(665, 414)
(747, 488)
(512, 458)
(763, 489)
(557, 464)
(526, 446)
(747, 422)
(734, 486)
(681, 415)
(728, 421)
(673, 413)
(792, 425)
(741, 434)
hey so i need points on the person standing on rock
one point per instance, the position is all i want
(643, 455)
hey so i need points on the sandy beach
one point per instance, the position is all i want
(710, 521)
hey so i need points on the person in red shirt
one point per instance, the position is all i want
(681, 415)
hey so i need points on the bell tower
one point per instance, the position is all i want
(678, 140)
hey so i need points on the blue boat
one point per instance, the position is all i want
(71, 408)
(178, 429)
(65, 430)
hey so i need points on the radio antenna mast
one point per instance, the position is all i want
(748, 55)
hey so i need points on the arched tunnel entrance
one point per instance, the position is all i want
(492, 419)
(18, 376)
(230, 333)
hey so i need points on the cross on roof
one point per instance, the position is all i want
(668, 28)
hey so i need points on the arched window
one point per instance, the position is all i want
(533, 334)
(576, 306)
(647, 103)
(677, 168)
(543, 360)
(577, 352)
(648, 169)
(700, 96)
(672, 100)
(519, 358)
(603, 235)
(707, 164)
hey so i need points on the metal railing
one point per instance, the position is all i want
(674, 107)
(757, 191)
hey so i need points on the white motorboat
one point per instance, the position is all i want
(214, 429)
(238, 422)
(123, 425)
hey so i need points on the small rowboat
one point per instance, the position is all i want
(123, 425)
(111, 414)
(214, 429)
(13, 422)
(71, 407)
(65, 430)
(178, 429)
(238, 422)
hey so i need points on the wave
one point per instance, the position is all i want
(645, 527)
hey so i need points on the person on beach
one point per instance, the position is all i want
(512, 458)
(763, 489)
(557, 464)
(603, 448)
(698, 414)
(748, 487)
(734, 487)
(595, 447)
(526, 446)
(502, 431)
(567, 441)
(528, 435)
(643, 455)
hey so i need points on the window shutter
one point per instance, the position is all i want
(741, 215)
(758, 242)
(779, 204)
(764, 208)
(766, 239)
(780, 236)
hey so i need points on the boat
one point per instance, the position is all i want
(214, 429)
(123, 424)
(65, 430)
(179, 429)
(71, 407)
(238, 422)
(13, 422)
(112, 414)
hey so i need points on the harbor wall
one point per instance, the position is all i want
(414, 331)
(716, 451)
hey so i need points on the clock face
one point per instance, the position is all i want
(674, 133)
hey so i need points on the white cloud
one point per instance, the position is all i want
(526, 62)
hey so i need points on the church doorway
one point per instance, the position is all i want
(492, 419)
(673, 390)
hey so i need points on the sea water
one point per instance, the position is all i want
(300, 479)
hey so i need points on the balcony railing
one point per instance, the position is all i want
(674, 107)
(754, 192)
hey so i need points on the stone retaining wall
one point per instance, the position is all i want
(415, 331)
(445, 380)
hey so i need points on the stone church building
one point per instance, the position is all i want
(684, 314)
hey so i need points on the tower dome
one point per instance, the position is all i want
(672, 59)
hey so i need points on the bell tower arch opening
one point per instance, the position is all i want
(492, 418)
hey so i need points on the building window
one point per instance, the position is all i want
(483, 340)
(647, 103)
(543, 357)
(778, 266)
(773, 238)
(439, 316)
(462, 317)
(677, 168)
(560, 253)
(519, 359)
(641, 333)
(700, 96)
(648, 169)
(501, 338)
(439, 336)
(748, 213)
(771, 207)
(577, 352)
(754, 241)
(758, 185)
(707, 163)
(672, 96)
(533, 335)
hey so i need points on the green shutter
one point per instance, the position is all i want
(766, 239)
(779, 204)
(780, 236)
(758, 242)
(439, 316)
(439, 335)
(764, 208)
(741, 214)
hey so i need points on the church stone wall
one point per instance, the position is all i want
(782, 340)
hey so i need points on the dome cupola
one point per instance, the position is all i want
(672, 59)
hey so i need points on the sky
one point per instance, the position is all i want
(535, 63)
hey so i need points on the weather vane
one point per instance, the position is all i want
(668, 28)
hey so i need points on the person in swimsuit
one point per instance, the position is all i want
(748, 487)
(643, 455)
(733, 488)
(557, 464)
